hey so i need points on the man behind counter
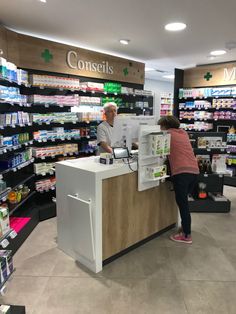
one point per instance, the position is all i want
(105, 129)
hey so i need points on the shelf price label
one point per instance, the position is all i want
(13, 234)
(4, 243)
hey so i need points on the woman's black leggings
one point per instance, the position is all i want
(184, 184)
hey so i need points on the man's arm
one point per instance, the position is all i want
(106, 147)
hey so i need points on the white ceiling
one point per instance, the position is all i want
(99, 25)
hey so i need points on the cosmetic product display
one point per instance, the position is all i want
(56, 134)
(13, 140)
(89, 101)
(206, 92)
(9, 71)
(204, 164)
(197, 126)
(54, 81)
(127, 90)
(159, 144)
(224, 103)
(224, 115)
(44, 167)
(4, 220)
(12, 95)
(14, 118)
(58, 100)
(166, 104)
(155, 172)
(55, 117)
(45, 185)
(195, 115)
(210, 142)
(92, 86)
(142, 92)
(18, 194)
(197, 104)
(90, 116)
(6, 265)
(51, 151)
(111, 87)
(3, 186)
(16, 159)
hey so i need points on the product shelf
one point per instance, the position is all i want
(46, 190)
(6, 149)
(14, 207)
(19, 167)
(4, 240)
(156, 179)
(3, 195)
(21, 125)
(67, 138)
(55, 156)
(209, 206)
(43, 174)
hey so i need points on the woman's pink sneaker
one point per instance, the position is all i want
(180, 237)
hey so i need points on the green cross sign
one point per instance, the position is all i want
(208, 76)
(125, 71)
(46, 55)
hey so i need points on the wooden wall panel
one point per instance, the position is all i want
(3, 42)
(27, 52)
(13, 47)
(197, 77)
(130, 216)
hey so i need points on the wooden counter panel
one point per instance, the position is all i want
(130, 216)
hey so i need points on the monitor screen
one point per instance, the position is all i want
(120, 152)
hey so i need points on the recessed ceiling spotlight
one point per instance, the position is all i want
(217, 52)
(175, 27)
(169, 76)
(44, 1)
(124, 41)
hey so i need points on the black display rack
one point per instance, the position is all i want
(218, 124)
(214, 181)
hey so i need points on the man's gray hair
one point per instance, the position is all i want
(108, 105)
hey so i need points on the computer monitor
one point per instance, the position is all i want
(120, 152)
(126, 129)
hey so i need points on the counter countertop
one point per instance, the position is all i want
(92, 165)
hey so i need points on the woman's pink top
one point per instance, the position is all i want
(182, 159)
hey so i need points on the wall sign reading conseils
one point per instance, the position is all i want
(74, 62)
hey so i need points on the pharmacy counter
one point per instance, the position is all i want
(101, 213)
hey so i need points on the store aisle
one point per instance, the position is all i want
(159, 277)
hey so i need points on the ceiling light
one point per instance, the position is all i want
(169, 76)
(211, 57)
(124, 41)
(44, 1)
(217, 52)
(174, 27)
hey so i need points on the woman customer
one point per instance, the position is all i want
(184, 171)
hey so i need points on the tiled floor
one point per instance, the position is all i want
(159, 277)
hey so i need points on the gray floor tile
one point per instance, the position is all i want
(201, 264)
(202, 297)
(84, 295)
(230, 254)
(24, 291)
(41, 264)
(142, 262)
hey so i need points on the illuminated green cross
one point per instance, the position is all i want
(125, 71)
(208, 76)
(46, 55)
